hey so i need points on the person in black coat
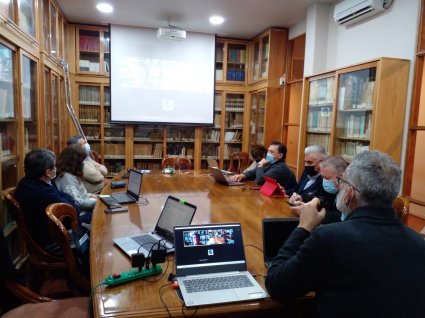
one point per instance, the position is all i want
(310, 181)
(272, 166)
(369, 265)
(36, 191)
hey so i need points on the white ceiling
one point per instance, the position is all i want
(244, 18)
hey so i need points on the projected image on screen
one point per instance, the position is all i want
(208, 237)
(161, 81)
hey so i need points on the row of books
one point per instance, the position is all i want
(235, 75)
(229, 149)
(89, 95)
(114, 148)
(89, 43)
(179, 151)
(319, 139)
(92, 132)
(114, 166)
(319, 120)
(90, 114)
(351, 148)
(355, 92)
(234, 120)
(27, 100)
(181, 135)
(6, 104)
(89, 66)
(148, 150)
(115, 131)
(212, 135)
(236, 56)
(357, 125)
(233, 136)
(210, 151)
(217, 120)
(234, 101)
(147, 165)
(321, 91)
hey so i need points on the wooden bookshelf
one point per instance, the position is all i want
(350, 110)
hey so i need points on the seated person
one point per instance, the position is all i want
(94, 172)
(36, 191)
(362, 266)
(70, 167)
(196, 239)
(310, 181)
(330, 170)
(258, 152)
(422, 233)
(272, 166)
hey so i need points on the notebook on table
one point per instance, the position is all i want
(174, 212)
(212, 163)
(134, 186)
(219, 177)
(211, 266)
(275, 232)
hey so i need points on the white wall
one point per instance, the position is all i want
(297, 29)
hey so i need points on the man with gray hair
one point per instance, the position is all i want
(310, 181)
(369, 265)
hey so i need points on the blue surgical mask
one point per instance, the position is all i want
(343, 216)
(87, 146)
(270, 158)
(329, 186)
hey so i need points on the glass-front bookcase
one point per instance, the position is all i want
(354, 112)
(93, 50)
(210, 148)
(320, 111)
(233, 123)
(256, 118)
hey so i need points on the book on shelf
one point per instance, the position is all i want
(89, 43)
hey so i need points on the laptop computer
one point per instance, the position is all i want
(275, 232)
(219, 177)
(213, 163)
(134, 186)
(211, 265)
(174, 212)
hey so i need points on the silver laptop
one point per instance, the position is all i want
(133, 188)
(175, 212)
(211, 265)
(275, 233)
(218, 176)
(212, 163)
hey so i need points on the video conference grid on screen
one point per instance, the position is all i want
(208, 237)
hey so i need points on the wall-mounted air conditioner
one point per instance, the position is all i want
(351, 11)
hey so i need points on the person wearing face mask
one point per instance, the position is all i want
(94, 173)
(360, 267)
(311, 180)
(273, 166)
(35, 191)
(258, 152)
(330, 169)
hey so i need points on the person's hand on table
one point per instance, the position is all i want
(237, 177)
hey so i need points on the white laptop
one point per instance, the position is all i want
(212, 163)
(211, 265)
(175, 212)
(219, 177)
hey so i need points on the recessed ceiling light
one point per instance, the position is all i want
(216, 19)
(104, 7)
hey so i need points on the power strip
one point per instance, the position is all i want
(133, 274)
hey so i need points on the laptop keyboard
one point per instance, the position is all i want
(146, 241)
(121, 196)
(216, 283)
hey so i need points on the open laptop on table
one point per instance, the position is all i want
(275, 232)
(134, 186)
(219, 177)
(211, 265)
(212, 163)
(174, 212)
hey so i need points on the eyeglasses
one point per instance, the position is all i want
(340, 180)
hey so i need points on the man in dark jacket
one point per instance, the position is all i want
(369, 265)
(272, 166)
(36, 191)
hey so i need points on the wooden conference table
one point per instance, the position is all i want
(215, 203)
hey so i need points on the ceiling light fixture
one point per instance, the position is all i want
(216, 19)
(104, 7)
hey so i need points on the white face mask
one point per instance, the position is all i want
(340, 203)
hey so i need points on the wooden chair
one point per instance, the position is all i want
(40, 261)
(401, 206)
(39, 306)
(168, 163)
(183, 163)
(239, 161)
(58, 214)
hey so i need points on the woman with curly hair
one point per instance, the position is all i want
(70, 166)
